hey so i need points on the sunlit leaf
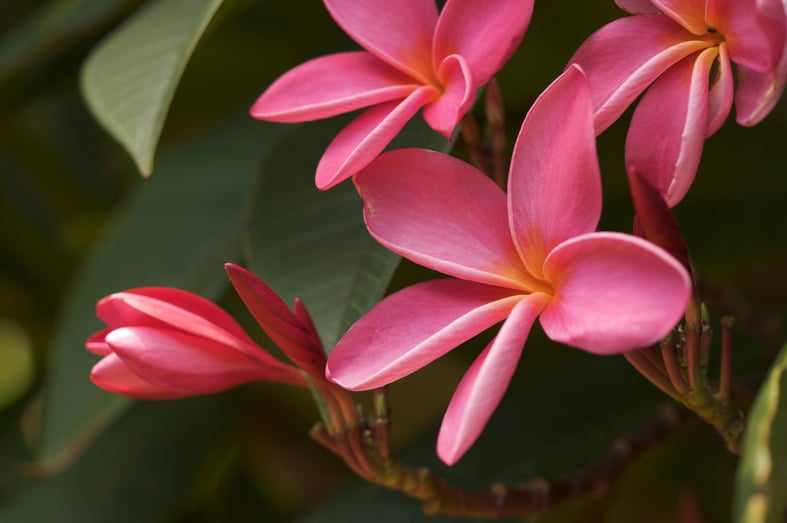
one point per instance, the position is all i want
(761, 483)
(313, 244)
(175, 230)
(130, 79)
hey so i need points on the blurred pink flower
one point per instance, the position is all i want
(513, 258)
(163, 343)
(682, 52)
(414, 59)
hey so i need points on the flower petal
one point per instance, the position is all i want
(484, 33)
(668, 128)
(484, 384)
(413, 327)
(367, 136)
(97, 344)
(613, 292)
(637, 6)
(622, 58)
(442, 213)
(721, 93)
(554, 189)
(192, 365)
(278, 322)
(688, 13)
(112, 375)
(754, 30)
(443, 114)
(398, 33)
(331, 85)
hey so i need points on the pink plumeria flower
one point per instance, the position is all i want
(415, 58)
(532, 253)
(165, 343)
(682, 52)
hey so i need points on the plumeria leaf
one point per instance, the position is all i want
(129, 80)
(761, 483)
(313, 245)
(150, 241)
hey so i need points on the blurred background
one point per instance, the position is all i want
(77, 221)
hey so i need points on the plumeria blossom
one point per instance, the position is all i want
(512, 258)
(680, 53)
(415, 58)
(165, 343)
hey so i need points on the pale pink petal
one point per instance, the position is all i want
(613, 292)
(622, 58)
(276, 319)
(721, 92)
(754, 30)
(688, 13)
(443, 114)
(164, 307)
(97, 344)
(113, 375)
(668, 128)
(442, 213)
(413, 327)
(398, 33)
(331, 85)
(554, 189)
(367, 136)
(484, 33)
(637, 6)
(192, 365)
(484, 384)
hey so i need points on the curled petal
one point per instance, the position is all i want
(398, 33)
(441, 213)
(190, 365)
(721, 93)
(665, 146)
(443, 114)
(484, 33)
(754, 30)
(688, 13)
(112, 375)
(97, 344)
(613, 292)
(367, 136)
(619, 70)
(413, 327)
(331, 85)
(484, 384)
(554, 189)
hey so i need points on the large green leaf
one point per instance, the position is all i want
(130, 78)
(313, 245)
(761, 483)
(175, 230)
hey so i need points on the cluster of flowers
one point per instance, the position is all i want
(510, 257)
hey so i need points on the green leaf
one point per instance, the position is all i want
(312, 244)
(175, 230)
(129, 80)
(761, 482)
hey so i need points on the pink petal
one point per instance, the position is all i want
(484, 384)
(398, 33)
(331, 85)
(367, 136)
(622, 58)
(97, 344)
(411, 328)
(112, 375)
(721, 92)
(276, 319)
(164, 307)
(688, 13)
(441, 213)
(754, 30)
(554, 189)
(484, 33)
(192, 365)
(443, 114)
(668, 128)
(637, 6)
(613, 292)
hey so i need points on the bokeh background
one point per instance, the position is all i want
(77, 221)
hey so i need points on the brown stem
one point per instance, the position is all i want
(471, 135)
(672, 366)
(495, 117)
(652, 373)
(725, 374)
